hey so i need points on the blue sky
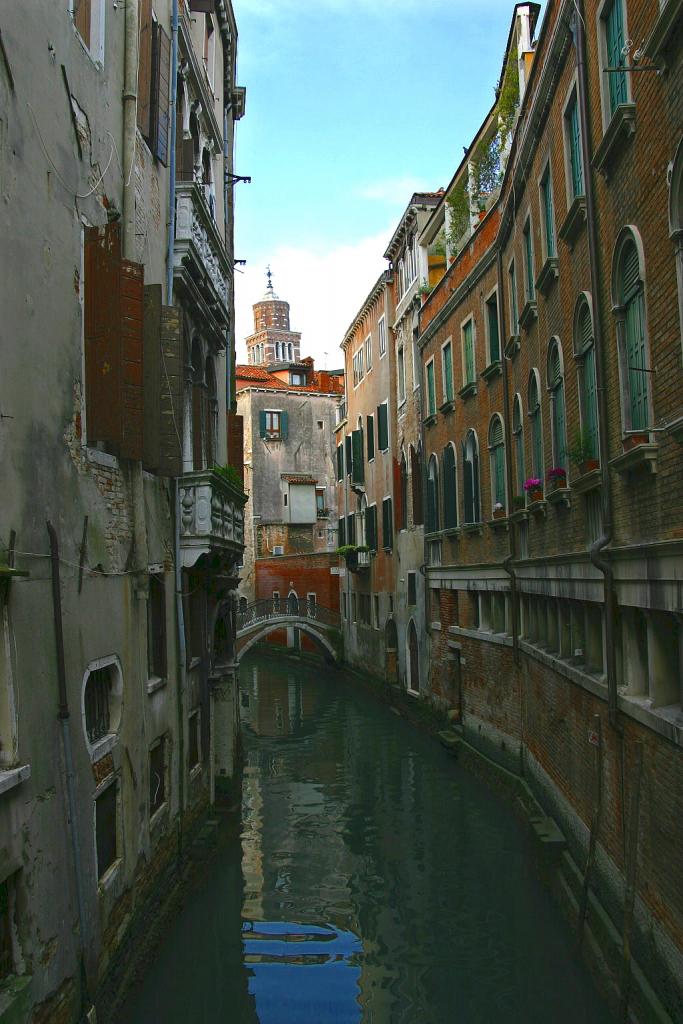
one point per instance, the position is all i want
(351, 106)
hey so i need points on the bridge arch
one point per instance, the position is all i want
(268, 627)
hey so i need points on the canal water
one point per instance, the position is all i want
(377, 881)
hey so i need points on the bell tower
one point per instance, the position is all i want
(273, 341)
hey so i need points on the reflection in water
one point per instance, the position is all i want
(379, 883)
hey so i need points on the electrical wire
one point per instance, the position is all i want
(77, 195)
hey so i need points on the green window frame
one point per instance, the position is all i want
(588, 404)
(448, 372)
(557, 406)
(614, 40)
(470, 477)
(529, 261)
(432, 523)
(387, 525)
(497, 450)
(633, 301)
(548, 214)
(382, 427)
(431, 393)
(370, 436)
(574, 143)
(518, 434)
(468, 351)
(493, 329)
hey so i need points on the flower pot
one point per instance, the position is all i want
(633, 440)
(533, 496)
(499, 513)
(588, 465)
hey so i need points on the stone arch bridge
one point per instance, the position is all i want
(255, 621)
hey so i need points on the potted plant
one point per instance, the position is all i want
(556, 477)
(498, 511)
(518, 502)
(425, 290)
(581, 453)
(634, 438)
(534, 489)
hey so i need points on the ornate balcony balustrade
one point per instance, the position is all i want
(200, 261)
(211, 516)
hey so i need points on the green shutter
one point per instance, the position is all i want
(635, 355)
(382, 427)
(494, 335)
(548, 215)
(514, 309)
(519, 454)
(348, 453)
(448, 372)
(468, 343)
(575, 149)
(431, 395)
(350, 529)
(262, 423)
(475, 484)
(284, 425)
(467, 486)
(340, 462)
(529, 257)
(630, 272)
(341, 538)
(450, 498)
(371, 527)
(387, 531)
(357, 468)
(537, 443)
(559, 429)
(614, 31)
(589, 396)
(499, 478)
(371, 437)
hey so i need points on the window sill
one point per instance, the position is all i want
(157, 819)
(193, 662)
(657, 44)
(155, 683)
(618, 132)
(498, 523)
(11, 777)
(429, 421)
(273, 437)
(560, 496)
(528, 314)
(574, 221)
(452, 532)
(589, 481)
(538, 508)
(675, 428)
(512, 345)
(476, 529)
(468, 390)
(490, 372)
(100, 748)
(520, 516)
(106, 882)
(548, 275)
(447, 406)
(641, 457)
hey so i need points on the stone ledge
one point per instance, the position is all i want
(640, 457)
(468, 389)
(548, 275)
(589, 481)
(529, 314)
(618, 132)
(11, 777)
(574, 221)
(512, 345)
(493, 370)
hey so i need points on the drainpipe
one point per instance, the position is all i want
(72, 802)
(597, 549)
(510, 558)
(178, 586)
(130, 104)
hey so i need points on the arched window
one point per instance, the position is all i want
(290, 348)
(584, 353)
(433, 495)
(558, 419)
(470, 477)
(403, 508)
(277, 350)
(292, 603)
(629, 305)
(497, 460)
(416, 483)
(102, 693)
(450, 492)
(534, 410)
(518, 435)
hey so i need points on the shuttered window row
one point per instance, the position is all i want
(387, 525)
(383, 427)
(154, 70)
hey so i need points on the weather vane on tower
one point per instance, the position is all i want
(269, 275)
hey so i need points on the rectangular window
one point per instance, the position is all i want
(358, 371)
(383, 427)
(370, 436)
(382, 336)
(276, 600)
(492, 328)
(157, 776)
(351, 529)
(106, 810)
(340, 462)
(447, 370)
(368, 353)
(6, 948)
(412, 588)
(341, 532)
(193, 755)
(548, 214)
(358, 469)
(156, 626)
(401, 374)
(514, 309)
(573, 135)
(468, 352)
(387, 525)
(431, 391)
(96, 702)
(529, 261)
(614, 40)
(273, 424)
(320, 503)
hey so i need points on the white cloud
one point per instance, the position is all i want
(324, 289)
(393, 190)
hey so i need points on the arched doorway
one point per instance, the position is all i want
(292, 603)
(391, 651)
(413, 660)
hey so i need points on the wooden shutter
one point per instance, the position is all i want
(387, 532)
(371, 527)
(145, 68)
(284, 425)
(398, 506)
(357, 468)
(416, 474)
(151, 338)
(350, 529)
(102, 339)
(468, 487)
(341, 532)
(348, 453)
(184, 157)
(171, 402)
(262, 423)
(236, 443)
(371, 437)
(82, 19)
(132, 360)
(382, 427)
(162, 78)
(340, 462)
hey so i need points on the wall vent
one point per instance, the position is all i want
(279, 549)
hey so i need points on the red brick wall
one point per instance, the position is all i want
(302, 573)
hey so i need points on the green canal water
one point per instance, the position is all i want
(376, 881)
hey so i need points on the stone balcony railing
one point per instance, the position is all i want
(211, 516)
(199, 251)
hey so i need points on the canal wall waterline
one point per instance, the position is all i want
(507, 764)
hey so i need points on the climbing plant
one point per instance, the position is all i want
(508, 98)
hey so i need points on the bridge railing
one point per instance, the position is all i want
(286, 608)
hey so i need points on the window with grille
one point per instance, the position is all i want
(497, 454)
(157, 776)
(106, 830)
(557, 404)
(98, 690)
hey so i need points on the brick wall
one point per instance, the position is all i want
(304, 574)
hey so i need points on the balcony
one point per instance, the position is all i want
(201, 271)
(211, 517)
